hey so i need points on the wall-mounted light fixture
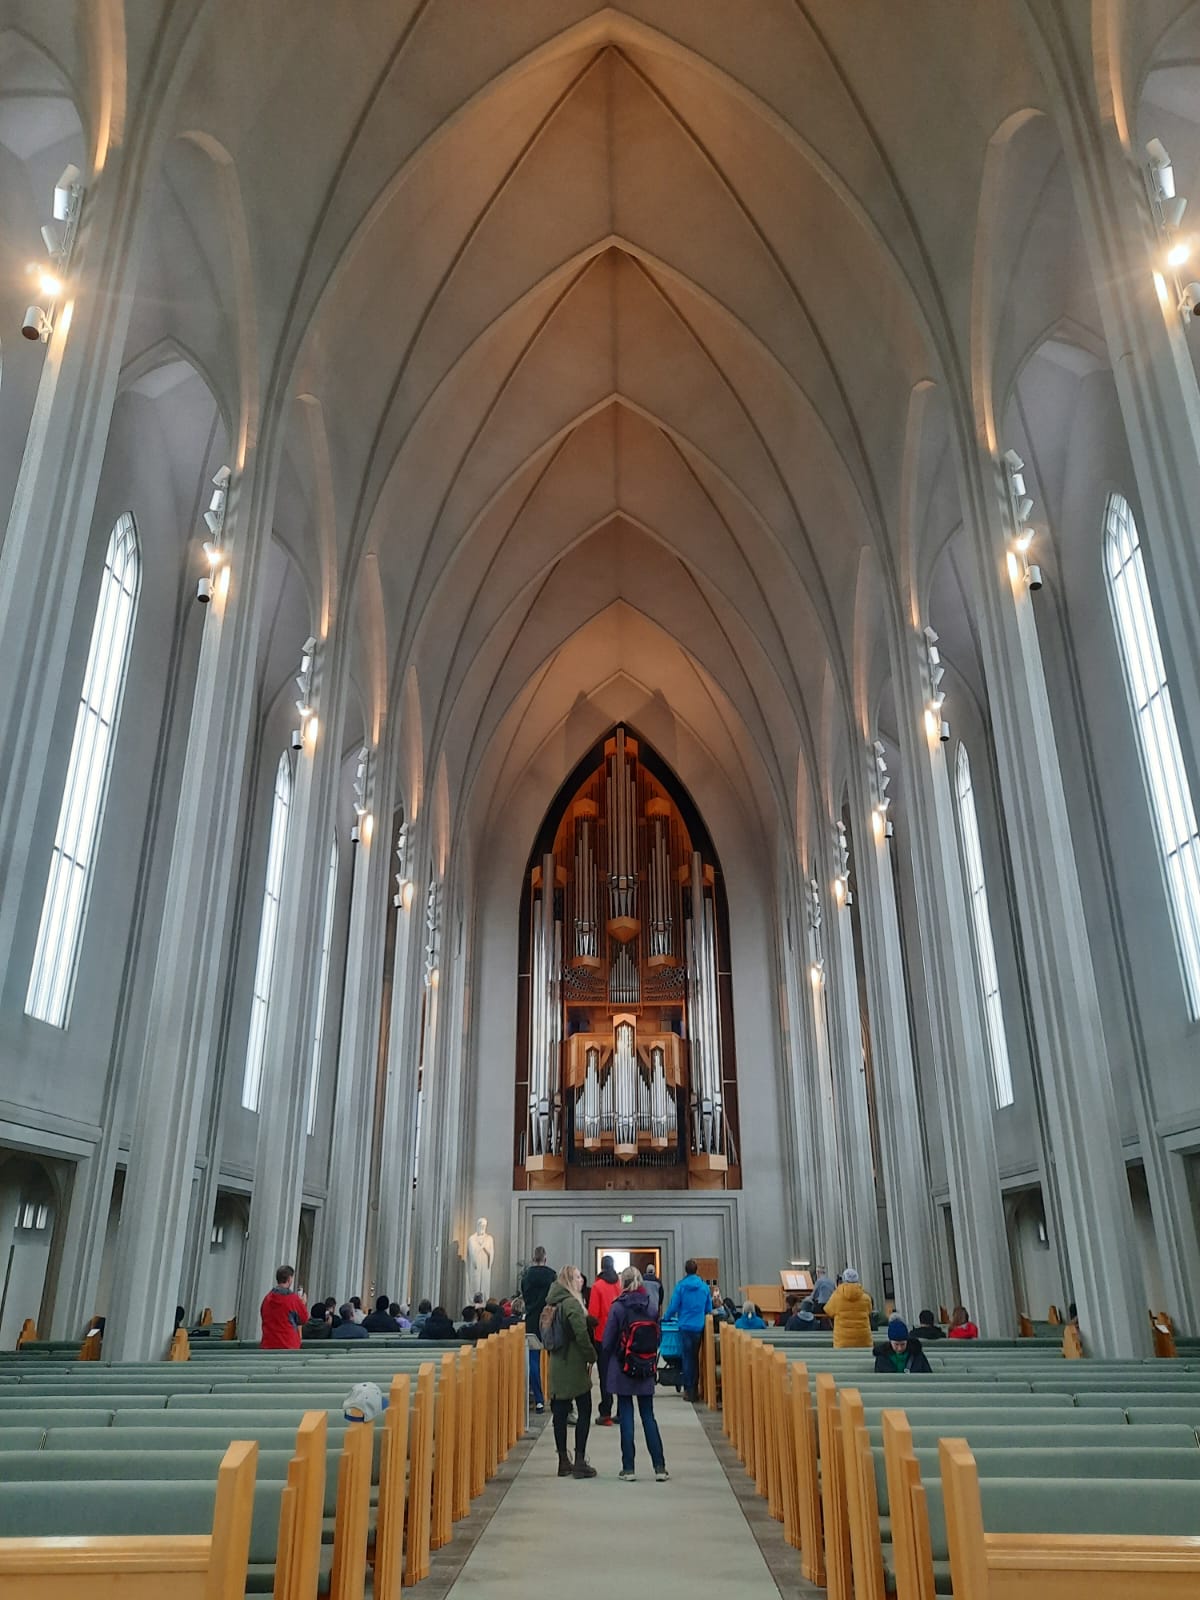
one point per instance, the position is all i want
(364, 823)
(936, 726)
(841, 865)
(306, 733)
(433, 934)
(403, 897)
(881, 822)
(1178, 248)
(58, 237)
(1020, 567)
(214, 545)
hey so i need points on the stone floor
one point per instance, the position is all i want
(705, 1529)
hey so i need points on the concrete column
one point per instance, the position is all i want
(955, 1012)
(829, 1202)
(1160, 405)
(428, 1219)
(287, 1057)
(796, 1058)
(1147, 343)
(183, 1019)
(42, 561)
(398, 1145)
(853, 1123)
(341, 1258)
(902, 1148)
(1071, 1056)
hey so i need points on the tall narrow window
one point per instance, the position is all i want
(264, 966)
(314, 1076)
(985, 951)
(1167, 788)
(73, 855)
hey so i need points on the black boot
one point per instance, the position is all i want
(565, 1466)
(582, 1468)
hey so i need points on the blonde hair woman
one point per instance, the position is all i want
(571, 1372)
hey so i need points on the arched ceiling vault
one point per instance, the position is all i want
(613, 315)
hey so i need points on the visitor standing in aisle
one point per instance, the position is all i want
(604, 1291)
(849, 1307)
(283, 1313)
(690, 1304)
(571, 1357)
(630, 1356)
(535, 1286)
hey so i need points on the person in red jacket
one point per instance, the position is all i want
(961, 1326)
(283, 1313)
(604, 1291)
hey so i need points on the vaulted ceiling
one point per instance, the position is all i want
(597, 330)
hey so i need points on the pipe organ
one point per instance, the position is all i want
(625, 1062)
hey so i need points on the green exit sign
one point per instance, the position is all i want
(627, 1216)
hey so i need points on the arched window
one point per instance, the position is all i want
(1167, 788)
(985, 951)
(314, 1076)
(73, 856)
(264, 966)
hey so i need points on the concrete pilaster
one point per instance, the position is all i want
(1071, 1055)
(849, 1067)
(287, 1058)
(902, 1150)
(341, 1258)
(955, 1017)
(182, 1018)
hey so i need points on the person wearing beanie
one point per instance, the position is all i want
(902, 1352)
(849, 1309)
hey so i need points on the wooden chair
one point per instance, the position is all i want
(393, 1484)
(838, 1568)
(1089, 1566)
(420, 1478)
(445, 1439)
(349, 1577)
(192, 1567)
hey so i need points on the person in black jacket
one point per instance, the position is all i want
(381, 1319)
(901, 1353)
(535, 1286)
(438, 1325)
(929, 1328)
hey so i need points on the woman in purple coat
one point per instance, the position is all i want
(630, 1356)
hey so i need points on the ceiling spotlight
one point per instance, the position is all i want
(48, 284)
(36, 325)
(1173, 211)
(1024, 508)
(212, 521)
(1013, 461)
(1189, 300)
(54, 235)
(222, 476)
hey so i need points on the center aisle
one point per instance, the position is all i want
(591, 1537)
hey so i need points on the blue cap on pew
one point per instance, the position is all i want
(364, 1403)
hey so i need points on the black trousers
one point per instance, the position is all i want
(558, 1413)
(606, 1399)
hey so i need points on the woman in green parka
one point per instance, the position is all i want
(571, 1373)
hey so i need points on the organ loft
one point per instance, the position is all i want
(625, 1059)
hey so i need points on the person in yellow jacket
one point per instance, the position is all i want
(850, 1308)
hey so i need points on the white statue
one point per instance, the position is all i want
(481, 1252)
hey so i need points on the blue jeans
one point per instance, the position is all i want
(689, 1345)
(649, 1427)
(535, 1377)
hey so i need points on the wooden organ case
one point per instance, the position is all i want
(625, 1045)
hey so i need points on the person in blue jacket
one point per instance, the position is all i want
(749, 1317)
(691, 1303)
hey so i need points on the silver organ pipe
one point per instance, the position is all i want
(545, 996)
(586, 932)
(591, 1098)
(625, 1077)
(705, 1036)
(658, 1097)
(622, 833)
(624, 986)
(660, 892)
